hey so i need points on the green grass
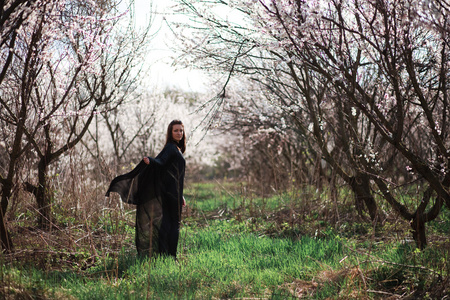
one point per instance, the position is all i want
(215, 262)
(236, 245)
(218, 261)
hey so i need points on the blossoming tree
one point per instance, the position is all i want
(364, 82)
(66, 62)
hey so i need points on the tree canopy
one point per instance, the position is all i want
(361, 83)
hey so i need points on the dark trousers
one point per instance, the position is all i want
(169, 233)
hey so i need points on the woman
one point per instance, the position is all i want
(156, 186)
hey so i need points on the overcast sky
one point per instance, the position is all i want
(159, 58)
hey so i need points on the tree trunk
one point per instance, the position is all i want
(4, 234)
(43, 195)
(363, 196)
(7, 182)
(418, 230)
(6, 194)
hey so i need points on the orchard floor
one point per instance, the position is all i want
(233, 245)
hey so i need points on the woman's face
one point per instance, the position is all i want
(177, 132)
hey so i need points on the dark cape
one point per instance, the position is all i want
(157, 190)
(138, 186)
(142, 187)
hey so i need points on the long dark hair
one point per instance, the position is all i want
(169, 138)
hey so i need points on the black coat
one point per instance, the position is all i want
(157, 190)
(162, 179)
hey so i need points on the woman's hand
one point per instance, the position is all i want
(146, 160)
(184, 202)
